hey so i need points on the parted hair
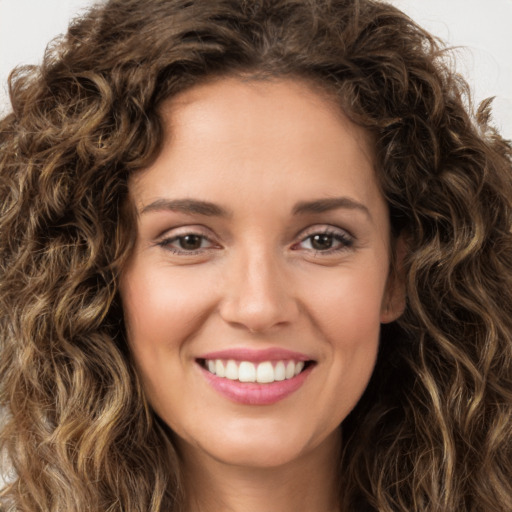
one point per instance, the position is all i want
(433, 431)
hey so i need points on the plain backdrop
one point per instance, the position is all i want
(481, 31)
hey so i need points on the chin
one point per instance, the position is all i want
(252, 455)
(258, 445)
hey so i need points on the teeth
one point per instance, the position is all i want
(265, 373)
(231, 371)
(219, 368)
(290, 370)
(246, 371)
(280, 371)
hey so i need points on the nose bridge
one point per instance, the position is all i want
(257, 295)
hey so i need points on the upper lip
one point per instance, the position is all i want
(256, 356)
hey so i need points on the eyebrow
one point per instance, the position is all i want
(331, 203)
(190, 206)
(195, 206)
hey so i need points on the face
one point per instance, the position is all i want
(260, 276)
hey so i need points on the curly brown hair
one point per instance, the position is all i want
(433, 431)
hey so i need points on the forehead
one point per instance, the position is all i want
(233, 140)
(267, 110)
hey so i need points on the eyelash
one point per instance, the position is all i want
(166, 244)
(345, 240)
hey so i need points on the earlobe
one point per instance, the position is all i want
(393, 304)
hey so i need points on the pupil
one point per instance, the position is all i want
(320, 242)
(190, 242)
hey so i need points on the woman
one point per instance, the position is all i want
(255, 256)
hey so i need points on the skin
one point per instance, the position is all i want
(257, 151)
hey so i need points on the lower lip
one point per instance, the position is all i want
(252, 393)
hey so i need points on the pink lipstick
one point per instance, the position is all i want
(255, 377)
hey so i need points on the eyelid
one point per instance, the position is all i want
(185, 229)
(341, 234)
(324, 229)
(170, 235)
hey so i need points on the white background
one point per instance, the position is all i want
(482, 28)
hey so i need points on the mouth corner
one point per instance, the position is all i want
(309, 364)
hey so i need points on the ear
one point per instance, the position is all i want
(393, 302)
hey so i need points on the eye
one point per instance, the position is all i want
(321, 242)
(326, 241)
(188, 243)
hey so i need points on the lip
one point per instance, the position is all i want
(252, 393)
(256, 356)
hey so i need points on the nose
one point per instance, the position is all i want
(258, 294)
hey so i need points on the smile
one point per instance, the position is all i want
(255, 383)
(256, 377)
(264, 372)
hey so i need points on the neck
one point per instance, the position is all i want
(306, 484)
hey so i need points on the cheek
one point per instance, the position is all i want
(162, 308)
(346, 313)
(352, 326)
(348, 304)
